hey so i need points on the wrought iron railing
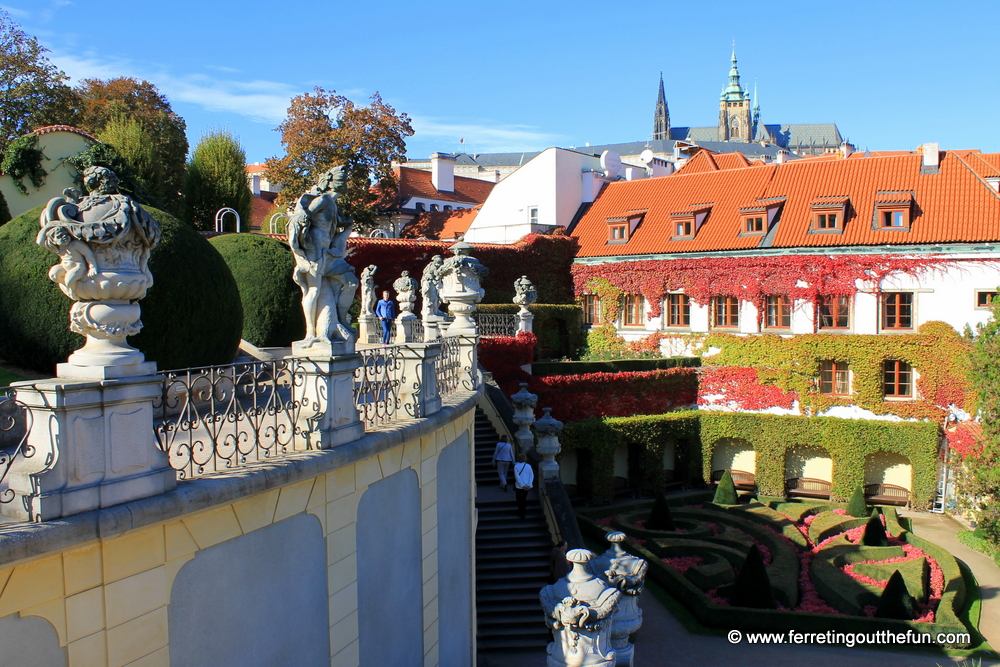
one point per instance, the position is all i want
(378, 386)
(449, 367)
(15, 424)
(375, 333)
(221, 417)
(496, 324)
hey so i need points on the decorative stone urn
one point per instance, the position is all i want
(406, 296)
(461, 275)
(103, 241)
(578, 609)
(524, 416)
(627, 573)
(525, 294)
(548, 429)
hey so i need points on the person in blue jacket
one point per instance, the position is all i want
(385, 310)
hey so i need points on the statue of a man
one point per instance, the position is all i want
(317, 234)
(368, 297)
(430, 288)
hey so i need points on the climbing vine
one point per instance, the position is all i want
(752, 279)
(936, 352)
(23, 159)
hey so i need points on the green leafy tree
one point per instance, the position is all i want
(725, 493)
(137, 147)
(979, 475)
(104, 103)
(896, 601)
(857, 507)
(660, 517)
(323, 130)
(752, 587)
(874, 535)
(216, 179)
(33, 91)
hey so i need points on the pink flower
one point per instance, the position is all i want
(841, 512)
(606, 521)
(683, 563)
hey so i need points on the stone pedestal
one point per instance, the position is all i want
(548, 429)
(419, 393)
(627, 573)
(368, 324)
(324, 389)
(91, 445)
(524, 320)
(404, 327)
(433, 325)
(524, 416)
(578, 610)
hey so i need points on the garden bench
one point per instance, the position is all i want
(886, 494)
(808, 487)
(742, 480)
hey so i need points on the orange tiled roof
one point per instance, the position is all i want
(417, 183)
(955, 205)
(261, 209)
(63, 128)
(256, 168)
(701, 162)
(440, 224)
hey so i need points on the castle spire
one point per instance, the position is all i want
(734, 91)
(661, 118)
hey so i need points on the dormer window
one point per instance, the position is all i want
(753, 224)
(687, 223)
(893, 211)
(684, 227)
(620, 230)
(828, 215)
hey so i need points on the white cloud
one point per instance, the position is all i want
(259, 100)
(487, 138)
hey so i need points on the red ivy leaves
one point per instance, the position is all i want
(964, 439)
(800, 277)
(739, 388)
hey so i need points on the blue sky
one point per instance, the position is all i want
(524, 75)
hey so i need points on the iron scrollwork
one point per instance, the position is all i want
(377, 386)
(15, 424)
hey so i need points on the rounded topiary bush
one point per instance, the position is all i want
(191, 314)
(272, 302)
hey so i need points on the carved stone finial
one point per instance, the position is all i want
(461, 275)
(524, 292)
(627, 573)
(103, 240)
(317, 235)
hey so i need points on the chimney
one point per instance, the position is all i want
(846, 149)
(443, 172)
(932, 159)
(780, 158)
(255, 185)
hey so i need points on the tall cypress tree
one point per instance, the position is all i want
(216, 179)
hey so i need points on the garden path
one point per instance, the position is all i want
(664, 642)
(943, 530)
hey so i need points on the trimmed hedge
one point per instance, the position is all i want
(547, 368)
(272, 302)
(192, 313)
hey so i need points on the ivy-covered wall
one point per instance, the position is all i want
(695, 434)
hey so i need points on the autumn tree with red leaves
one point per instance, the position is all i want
(324, 130)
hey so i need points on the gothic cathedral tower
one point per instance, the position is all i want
(661, 119)
(734, 109)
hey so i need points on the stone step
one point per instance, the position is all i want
(530, 646)
(524, 584)
(498, 573)
(528, 628)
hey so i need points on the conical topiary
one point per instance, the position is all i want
(725, 493)
(874, 532)
(660, 517)
(857, 506)
(896, 601)
(753, 586)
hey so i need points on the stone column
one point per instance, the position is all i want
(419, 390)
(578, 610)
(323, 387)
(524, 416)
(548, 429)
(627, 573)
(91, 445)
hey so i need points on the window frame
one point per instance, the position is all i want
(684, 311)
(592, 309)
(823, 303)
(618, 232)
(837, 367)
(633, 308)
(888, 324)
(689, 227)
(818, 209)
(533, 215)
(755, 218)
(897, 371)
(729, 320)
(904, 211)
(783, 303)
(987, 305)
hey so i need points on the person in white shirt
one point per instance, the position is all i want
(503, 456)
(524, 477)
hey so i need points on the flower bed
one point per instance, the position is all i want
(837, 580)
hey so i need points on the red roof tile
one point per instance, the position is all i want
(63, 128)
(440, 224)
(417, 183)
(955, 205)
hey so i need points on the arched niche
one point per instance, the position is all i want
(734, 454)
(889, 468)
(809, 461)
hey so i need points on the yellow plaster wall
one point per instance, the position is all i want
(107, 598)
(55, 146)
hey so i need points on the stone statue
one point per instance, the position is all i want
(578, 610)
(368, 296)
(103, 241)
(430, 288)
(317, 234)
(406, 292)
(627, 573)
(460, 288)
(524, 292)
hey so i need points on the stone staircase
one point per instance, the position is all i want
(512, 558)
